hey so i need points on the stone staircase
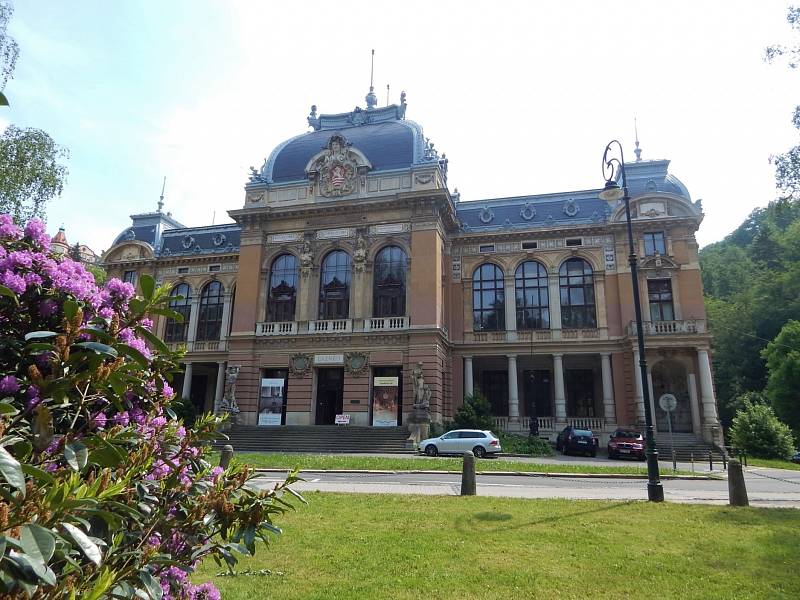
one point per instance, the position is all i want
(686, 446)
(317, 439)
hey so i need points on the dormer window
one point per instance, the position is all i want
(654, 243)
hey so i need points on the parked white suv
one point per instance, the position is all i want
(459, 441)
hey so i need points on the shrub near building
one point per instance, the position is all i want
(757, 431)
(102, 491)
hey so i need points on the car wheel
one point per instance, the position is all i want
(593, 454)
(431, 450)
(479, 451)
(612, 456)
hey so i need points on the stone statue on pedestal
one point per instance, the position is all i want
(229, 395)
(420, 419)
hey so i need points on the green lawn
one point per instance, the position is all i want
(379, 463)
(773, 463)
(415, 547)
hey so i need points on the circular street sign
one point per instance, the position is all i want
(667, 402)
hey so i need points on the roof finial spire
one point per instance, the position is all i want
(372, 99)
(387, 94)
(161, 198)
(637, 151)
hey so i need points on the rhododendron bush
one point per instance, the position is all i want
(103, 492)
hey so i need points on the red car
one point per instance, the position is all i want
(626, 442)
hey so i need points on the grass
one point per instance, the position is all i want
(344, 546)
(380, 463)
(772, 463)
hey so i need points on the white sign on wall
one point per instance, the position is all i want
(329, 359)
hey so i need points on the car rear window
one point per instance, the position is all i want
(472, 434)
(582, 432)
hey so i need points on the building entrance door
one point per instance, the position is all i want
(330, 388)
(537, 393)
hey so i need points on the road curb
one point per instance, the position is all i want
(499, 473)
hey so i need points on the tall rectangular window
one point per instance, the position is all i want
(129, 277)
(654, 243)
(659, 292)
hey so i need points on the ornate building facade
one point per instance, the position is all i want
(351, 264)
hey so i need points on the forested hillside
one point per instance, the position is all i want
(752, 286)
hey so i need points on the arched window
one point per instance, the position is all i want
(488, 298)
(576, 283)
(176, 331)
(334, 288)
(282, 292)
(389, 283)
(533, 306)
(209, 322)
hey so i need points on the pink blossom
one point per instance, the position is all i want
(122, 418)
(47, 308)
(8, 229)
(9, 385)
(99, 421)
(35, 231)
(16, 283)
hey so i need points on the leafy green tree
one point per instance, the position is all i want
(757, 431)
(783, 363)
(30, 172)
(9, 50)
(475, 413)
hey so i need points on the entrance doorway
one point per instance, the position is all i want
(330, 395)
(537, 393)
(580, 393)
(495, 388)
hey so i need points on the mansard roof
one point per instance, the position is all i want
(213, 239)
(387, 139)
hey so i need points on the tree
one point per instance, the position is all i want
(783, 364)
(475, 413)
(757, 431)
(9, 50)
(30, 172)
(104, 493)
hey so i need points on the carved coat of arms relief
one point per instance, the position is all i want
(336, 168)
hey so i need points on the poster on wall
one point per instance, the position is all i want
(270, 402)
(384, 401)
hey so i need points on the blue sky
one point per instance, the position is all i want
(522, 96)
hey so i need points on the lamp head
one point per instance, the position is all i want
(611, 191)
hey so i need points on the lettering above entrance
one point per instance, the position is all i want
(335, 171)
(329, 359)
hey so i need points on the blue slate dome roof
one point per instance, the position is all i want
(383, 135)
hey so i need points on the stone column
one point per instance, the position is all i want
(711, 428)
(608, 388)
(226, 317)
(639, 391)
(554, 300)
(194, 316)
(560, 399)
(187, 381)
(468, 386)
(511, 310)
(697, 428)
(220, 388)
(513, 391)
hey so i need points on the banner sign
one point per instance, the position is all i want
(342, 420)
(384, 401)
(270, 402)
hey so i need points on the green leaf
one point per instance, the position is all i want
(133, 353)
(4, 291)
(107, 456)
(137, 306)
(151, 585)
(71, 309)
(148, 286)
(76, 455)
(35, 335)
(87, 546)
(41, 475)
(12, 470)
(169, 313)
(38, 542)
(153, 340)
(7, 409)
(99, 348)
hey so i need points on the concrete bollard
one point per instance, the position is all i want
(225, 456)
(737, 492)
(468, 487)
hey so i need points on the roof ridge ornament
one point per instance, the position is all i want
(637, 151)
(313, 120)
(371, 98)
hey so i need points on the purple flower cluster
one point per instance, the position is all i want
(175, 585)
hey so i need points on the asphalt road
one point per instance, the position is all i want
(765, 487)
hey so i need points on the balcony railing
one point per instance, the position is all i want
(540, 335)
(280, 328)
(385, 323)
(204, 346)
(670, 327)
(546, 424)
(331, 326)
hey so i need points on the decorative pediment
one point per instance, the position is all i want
(336, 168)
(658, 263)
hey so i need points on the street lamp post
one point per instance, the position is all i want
(613, 169)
